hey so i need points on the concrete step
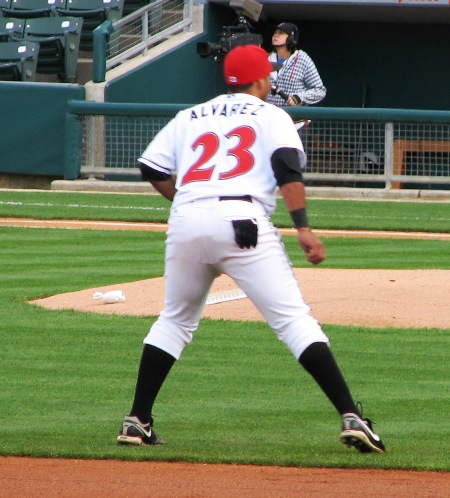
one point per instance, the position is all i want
(97, 185)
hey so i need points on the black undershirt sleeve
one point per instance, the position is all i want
(150, 174)
(286, 166)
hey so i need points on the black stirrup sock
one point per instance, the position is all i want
(153, 370)
(318, 360)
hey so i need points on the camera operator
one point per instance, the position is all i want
(298, 78)
(298, 81)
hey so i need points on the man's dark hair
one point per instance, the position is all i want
(239, 88)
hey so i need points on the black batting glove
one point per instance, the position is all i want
(245, 233)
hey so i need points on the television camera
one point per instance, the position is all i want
(237, 34)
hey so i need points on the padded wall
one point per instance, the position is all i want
(32, 119)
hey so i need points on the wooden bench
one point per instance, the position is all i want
(401, 147)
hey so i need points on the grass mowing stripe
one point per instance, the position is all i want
(45, 262)
(377, 253)
(131, 253)
(353, 216)
(83, 206)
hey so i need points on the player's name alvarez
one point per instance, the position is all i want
(226, 110)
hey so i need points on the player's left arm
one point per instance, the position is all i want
(166, 188)
(287, 171)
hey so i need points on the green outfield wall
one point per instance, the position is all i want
(32, 119)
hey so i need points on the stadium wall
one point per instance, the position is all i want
(32, 117)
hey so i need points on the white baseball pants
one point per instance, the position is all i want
(200, 246)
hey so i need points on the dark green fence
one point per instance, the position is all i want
(384, 148)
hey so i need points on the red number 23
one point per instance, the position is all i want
(210, 143)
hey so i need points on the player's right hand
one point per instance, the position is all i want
(311, 245)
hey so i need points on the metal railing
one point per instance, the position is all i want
(136, 33)
(386, 148)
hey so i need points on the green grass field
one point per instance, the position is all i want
(236, 395)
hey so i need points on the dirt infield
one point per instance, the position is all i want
(48, 478)
(387, 298)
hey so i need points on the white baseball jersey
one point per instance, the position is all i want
(232, 138)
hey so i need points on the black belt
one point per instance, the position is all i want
(246, 198)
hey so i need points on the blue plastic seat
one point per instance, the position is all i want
(27, 9)
(4, 4)
(93, 12)
(11, 29)
(18, 61)
(59, 40)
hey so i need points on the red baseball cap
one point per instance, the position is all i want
(247, 63)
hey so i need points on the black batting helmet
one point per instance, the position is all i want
(292, 30)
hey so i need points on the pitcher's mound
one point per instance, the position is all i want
(373, 298)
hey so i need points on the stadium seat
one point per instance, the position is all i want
(27, 9)
(18, 61)
(11, 29)
(93, 12)
(4, 4)
(59, 40)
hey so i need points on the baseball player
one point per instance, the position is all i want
(220, 162)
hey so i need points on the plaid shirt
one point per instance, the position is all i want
(298, 76)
